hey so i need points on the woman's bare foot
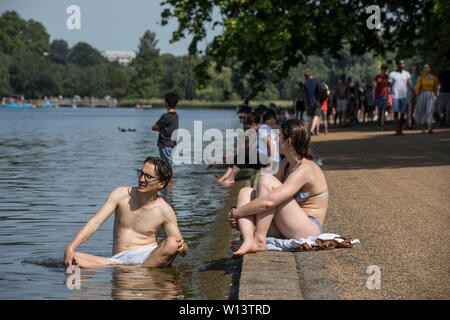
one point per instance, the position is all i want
(248, 247)
(236, 244)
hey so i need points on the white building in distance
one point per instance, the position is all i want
(121, 56)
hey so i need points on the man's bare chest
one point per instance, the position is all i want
(141, 220)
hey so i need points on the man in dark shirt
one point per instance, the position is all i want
(166, 125)
(313, 107)
(444, 95)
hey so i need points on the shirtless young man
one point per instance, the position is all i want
(139, 216)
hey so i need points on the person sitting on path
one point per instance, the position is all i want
(139, 216)
(266, 148)
(292, 204)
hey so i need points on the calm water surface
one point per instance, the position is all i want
(57, 167)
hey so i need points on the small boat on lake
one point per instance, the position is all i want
(17, 106)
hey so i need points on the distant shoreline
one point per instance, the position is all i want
(159, 104)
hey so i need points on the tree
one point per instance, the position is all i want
(33, 75)
(219, 86)
(149, 69)
(84, 55)
(5, 88)
(17, 32)
(59, 51)
(269, 37)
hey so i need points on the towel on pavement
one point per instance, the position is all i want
(323, 241)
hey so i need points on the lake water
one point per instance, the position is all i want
(57, 166)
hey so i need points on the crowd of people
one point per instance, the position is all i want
(291, 199)
(398, 95)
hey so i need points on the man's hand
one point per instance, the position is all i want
(69, 257)
(182, 247)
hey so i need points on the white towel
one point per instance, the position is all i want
(275, 244)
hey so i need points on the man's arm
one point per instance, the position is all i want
(159, 124)
(171, 229)
(411, 86)
(94, 223)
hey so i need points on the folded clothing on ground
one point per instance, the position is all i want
(323, 241)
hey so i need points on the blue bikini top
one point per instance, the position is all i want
(301, 196)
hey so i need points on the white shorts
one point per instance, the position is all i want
(135, 256)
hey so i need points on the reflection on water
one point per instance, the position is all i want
(130, 282)
(57, 166)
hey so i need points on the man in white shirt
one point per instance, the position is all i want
(398, 82)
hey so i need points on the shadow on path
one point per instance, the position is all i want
(382, 150)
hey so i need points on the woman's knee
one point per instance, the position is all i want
(245, 194)
(268, 181)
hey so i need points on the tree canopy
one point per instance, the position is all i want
(269, 37)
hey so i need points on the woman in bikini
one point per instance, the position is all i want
(291, 204)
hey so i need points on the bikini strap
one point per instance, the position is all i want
(299, 162)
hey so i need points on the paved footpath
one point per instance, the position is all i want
(392, 193)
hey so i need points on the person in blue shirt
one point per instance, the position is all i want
(313, 107)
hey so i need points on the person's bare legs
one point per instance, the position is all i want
(85, 260)
(163, 255)
(285, 221)
(246, 224)
(225, 175)
(230, 178)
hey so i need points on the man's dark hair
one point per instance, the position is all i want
(299, 132)
(251, 119)
(171, 98)
(268, 115)
(163, 169)
(308, 73)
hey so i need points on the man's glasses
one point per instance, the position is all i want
(147, 177)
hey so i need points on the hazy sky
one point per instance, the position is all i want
(105, 24)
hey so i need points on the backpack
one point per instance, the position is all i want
(320, 92)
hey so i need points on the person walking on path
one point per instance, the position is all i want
(379, 92)
(399, 80)
(342, 95)
(411, 97)
(299, 102)
(324, 110)
(369, 103)
(313, 107)
(426, 88)
(444, 96)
